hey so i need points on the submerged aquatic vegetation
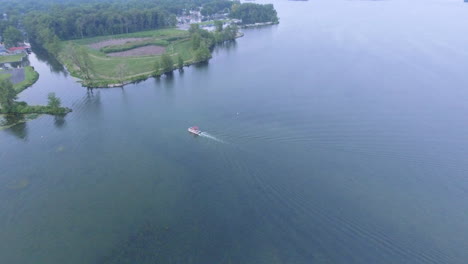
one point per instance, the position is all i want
(18, 184)
(60, 148)
(11, 120)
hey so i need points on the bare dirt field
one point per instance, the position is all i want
(112, 42)
(142, 51)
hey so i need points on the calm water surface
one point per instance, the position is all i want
(338, 136)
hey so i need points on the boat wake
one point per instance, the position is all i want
(207, 135)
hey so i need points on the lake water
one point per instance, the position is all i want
(338, 136)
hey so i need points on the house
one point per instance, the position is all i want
(17, 50)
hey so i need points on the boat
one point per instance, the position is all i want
(194, 130)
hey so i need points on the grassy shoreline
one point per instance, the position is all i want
(21, 108)
(136, 68)
(109, 71)
(12, 58)
(30, 77)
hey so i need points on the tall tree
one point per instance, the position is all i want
(167, 64)
(194, 28)
(196, 40)
(49, 40)
(218, 25)
(81, 59)
(53, 101)
(7, 95)
(251, 13)
(180, 62)
(157, 68)
(203, 53)
(12, 36)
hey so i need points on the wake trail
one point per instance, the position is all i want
(207, 135)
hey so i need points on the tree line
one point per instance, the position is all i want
(201, 41)
(12, 36)
(9, 105)
(92, 21)
(251, 13)
(48, 21)
(215, 7)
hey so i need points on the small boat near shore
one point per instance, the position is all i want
(194, 130)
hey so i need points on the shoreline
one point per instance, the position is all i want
(259, 24)
(30, 78)
(12, 58)
(110, 83)
(145, 77)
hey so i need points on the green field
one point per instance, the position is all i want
(105, 68)
(11, 58)
(4, 76)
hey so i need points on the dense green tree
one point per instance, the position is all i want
(251, 13)
(7, 95)
(196, 41)
(231, 32)
(53, 101)
(73, 21)
(68, 19)
(218, 25)
(215, 7)
(86, 62)
(157, 68)
(180, 61)
(167, 64)
(51, 42)
(12, 36)
(228, 33)
(202, 53)
(194, 28)
(81, 59)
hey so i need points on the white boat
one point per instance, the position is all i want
(194, 130)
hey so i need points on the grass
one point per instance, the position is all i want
(23, 108)
(30, 77)
(12, 58)
(105, 68)
(4, 76)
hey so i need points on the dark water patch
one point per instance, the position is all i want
(15, 124)
(54, 65)
(144, 246)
